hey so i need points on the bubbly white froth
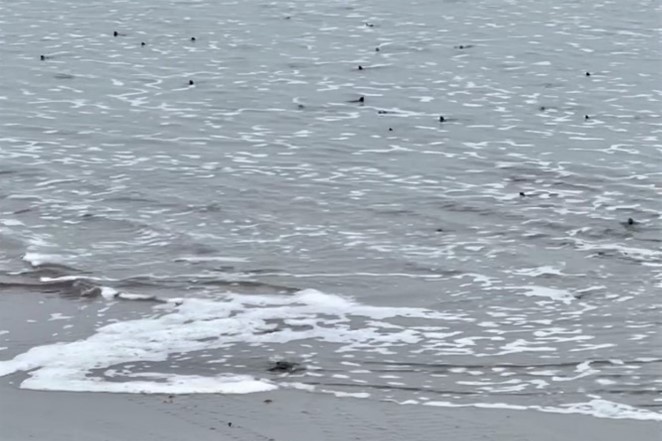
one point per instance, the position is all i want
(137, 356)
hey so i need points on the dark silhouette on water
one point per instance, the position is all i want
(442, 119)
(143, 43)
(631, 221)
(116, 34)
(390, 129)
(360, 67)
(587, 117)
(588, 74)
(285, 366)
(542, 108)
(377, 49)
(192, 38)
(42, 57)
(522, 194)
(359, 100)
(190, 82)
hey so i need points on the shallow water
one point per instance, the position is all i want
(262, 216)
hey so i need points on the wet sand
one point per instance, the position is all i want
(283, 416)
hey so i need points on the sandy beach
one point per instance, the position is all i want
(283, 416)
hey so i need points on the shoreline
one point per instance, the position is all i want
(284, 415)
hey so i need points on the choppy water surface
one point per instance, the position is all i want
(265, 217)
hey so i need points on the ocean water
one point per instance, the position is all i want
(158, 236)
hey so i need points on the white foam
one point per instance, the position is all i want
(597, 408)
(38, 259)
(160, 384)
(59, 316)
(348, 394)
(11, 222)
(128, 296)
(539, 271)
(47, 279)
(198, 324)
(108, 293)
(198, 259)
(551, 293)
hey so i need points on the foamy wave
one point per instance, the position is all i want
(39, 259)
(153, 384)
(137, 356)
(597, 408)
(194, 325)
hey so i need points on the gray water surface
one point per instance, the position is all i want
(263, 179)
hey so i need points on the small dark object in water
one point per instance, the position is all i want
(390, 129)
(284, 366)
(588, 74)
(439, 230)
(115, 33)
(631, 221)
(587, 117)
(464, 46)
(359, 100)
(382, 112)
(300, 106)
(370, 25)
(42, 57)
(542, 108)
(288, 17)
(190, 82)
(521, 193)
(377, 49)
(442, 119)
(143, 43)
(360, 67)
(192, 38)
(229, 424)
(268, 401)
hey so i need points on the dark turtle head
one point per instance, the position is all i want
(442, 119)
(631, 221)
(362, 99)
(115, 33)
(360, 67)
(587, 117)
(190, 82)
(42, 57)
(192, 38)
